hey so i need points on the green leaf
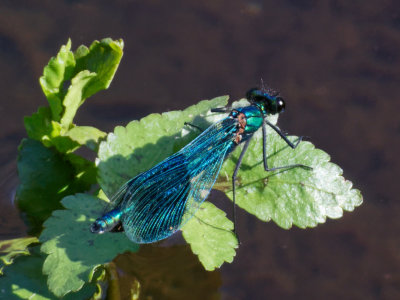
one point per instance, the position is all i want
(46, 177)
(141, 144)
(42, 128)
(89, 70)
(43, 173)
(24, 280)
(9, 249)
(73, 251)
(289, 197)
(95, 69)
(85, 171)
(63, 143)
(86, 135)
(58, 70)
(210, 236)
(39, 125)
(101, 58)
(75, 96)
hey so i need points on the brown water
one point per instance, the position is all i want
(337, 64)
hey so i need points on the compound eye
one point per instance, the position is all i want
(280, 105)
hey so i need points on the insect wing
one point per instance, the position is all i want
(158, 202)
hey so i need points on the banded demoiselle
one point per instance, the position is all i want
(155, 204)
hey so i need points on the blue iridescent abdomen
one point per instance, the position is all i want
(107, 222)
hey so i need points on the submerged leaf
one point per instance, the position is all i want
(9, 249)
(73, 251)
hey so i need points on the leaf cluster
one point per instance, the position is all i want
(62, 258)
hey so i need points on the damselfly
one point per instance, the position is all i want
(156, 203)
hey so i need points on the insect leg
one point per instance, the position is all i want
(246, 145)
(221, 109)
(278, 131)
(194, 126)
(293, 146)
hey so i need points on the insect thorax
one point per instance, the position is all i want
(249, 119)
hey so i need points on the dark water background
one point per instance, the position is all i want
(336, 62)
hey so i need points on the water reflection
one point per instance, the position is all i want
(157, 272)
